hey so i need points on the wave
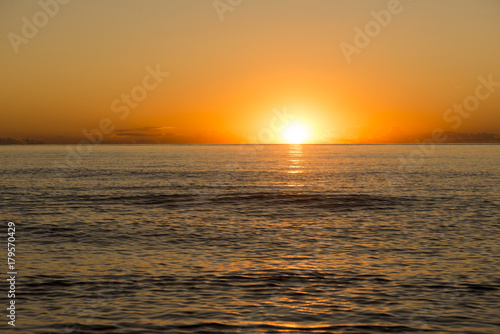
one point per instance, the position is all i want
(329, 202)
(216, 328)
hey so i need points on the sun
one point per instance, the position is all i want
(295, 133)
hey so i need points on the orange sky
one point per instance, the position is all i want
(66, 67)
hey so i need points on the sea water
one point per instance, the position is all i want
(254, 239)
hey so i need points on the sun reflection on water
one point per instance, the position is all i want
(295, 159)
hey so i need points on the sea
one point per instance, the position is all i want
(252, 238)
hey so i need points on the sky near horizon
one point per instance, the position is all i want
(235, 71)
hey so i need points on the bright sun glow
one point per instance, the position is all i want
(296, 133)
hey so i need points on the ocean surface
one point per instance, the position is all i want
(253, 239)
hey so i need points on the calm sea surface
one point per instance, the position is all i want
(254, 239)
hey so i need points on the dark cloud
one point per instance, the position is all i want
(398, 136)
(132, 134)
(144, 129)
(24, 141)
(9, 141)
(480, 138)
